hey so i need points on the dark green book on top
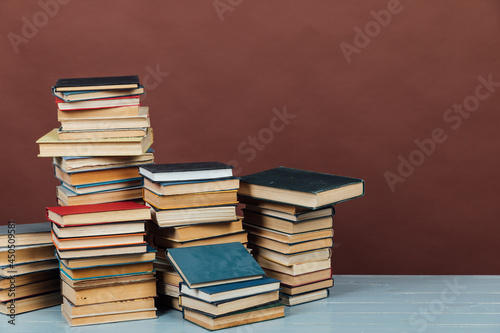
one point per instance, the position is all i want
(210, 265)
(300, 187)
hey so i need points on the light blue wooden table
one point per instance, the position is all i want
(357, 303)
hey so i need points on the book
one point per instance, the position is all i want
(278, 206)
(68, 198)
(25, 234)
(115, 228)
(167, 243)
(111, 318)
(31, 303)
(289, 248)
(302, 279)
(170, 277)
(19, 270)
(141, 304)
(104, 186)
(186, 171)
(278, 224)
(102, 133)
(187, 187)
(288, 238)
(98, 103)
(303, 298)
(228, 306)
(80, 124)
(231, 290)
(110, 260)
(190, 200)
(74, 243)
(300, 217)
(169, 301)
(104, 282)
(109, 293)
(26, 253)
(31, 277)
(101, 251)
(293, 259)
(193, 215)
(99, 213)
(258, 314)
(194, 232)
(202, 266)
(167, 289)
(296, 269)
(51, 146)
(301, 188)
(306, 287)
(106, 271)
(97, 177)
(83, 95)
(29, 290)
(97, 83)
(70, 164)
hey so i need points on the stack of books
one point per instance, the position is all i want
(289, 217)
(192, 204)
(29, 274)
(105, 134)
(223, 286)
(105, 265)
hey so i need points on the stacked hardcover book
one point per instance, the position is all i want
(29, 274)
(105, 134)
(289, 217)
(192, 204)
(99, 228)
(223, 286)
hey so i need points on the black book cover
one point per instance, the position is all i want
(299, 180)
(98, 81)
(181, 167)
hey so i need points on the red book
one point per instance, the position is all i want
(121, 211)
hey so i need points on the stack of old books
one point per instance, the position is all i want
(223, 286)
(192, 204)
(105, 134)
(29, 274)
(105, 265)
(289, 217)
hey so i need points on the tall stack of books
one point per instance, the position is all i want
(289, 217)
(192, 204)
(99, 228)
(223, 286)
(105, 134)
(29, 274)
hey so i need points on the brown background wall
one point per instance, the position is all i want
(226, 76)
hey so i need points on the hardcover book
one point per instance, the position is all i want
(97, 83)
(186, 171)
(25, 234)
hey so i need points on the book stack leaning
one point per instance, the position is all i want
(192, 204)
(223, 286)
(29, 274)
(99, 228)
(289, 218)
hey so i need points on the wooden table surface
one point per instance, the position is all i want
(357, 303)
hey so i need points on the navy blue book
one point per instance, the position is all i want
(209, 265)
(232, 290)
(300, 187)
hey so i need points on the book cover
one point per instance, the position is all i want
(224, 288)
(96, 208)
(97, 83)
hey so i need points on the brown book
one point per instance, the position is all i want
(101, 162)
(168, 277)
(288, 238)
(121, 111)
(67, 198)
(102, 271)
(294, 270)
(197, 187)
(289, 248)
(29, 290)
(108, 260)
(190, 200)
(31, 303)
(306, 287)
(97, 176)
(103, 134)
(303, 298)
(194, 215)
(111, 318)
(292, 259)
(167, 289)
(109, 293)
(20, 271)
(37, 276)
(272, 205)
(28, 253)
(300, 280)
(108, 281)
(97, 241)
(167, 243)
(102, 251)
(304, 216)
(141, 304)
(289, 227)
(110, 122)
(199, 231)
(240, 318)
(116, 228)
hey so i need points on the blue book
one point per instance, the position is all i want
(233, 290)
(209, 265)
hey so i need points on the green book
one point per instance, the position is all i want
(300, 187)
